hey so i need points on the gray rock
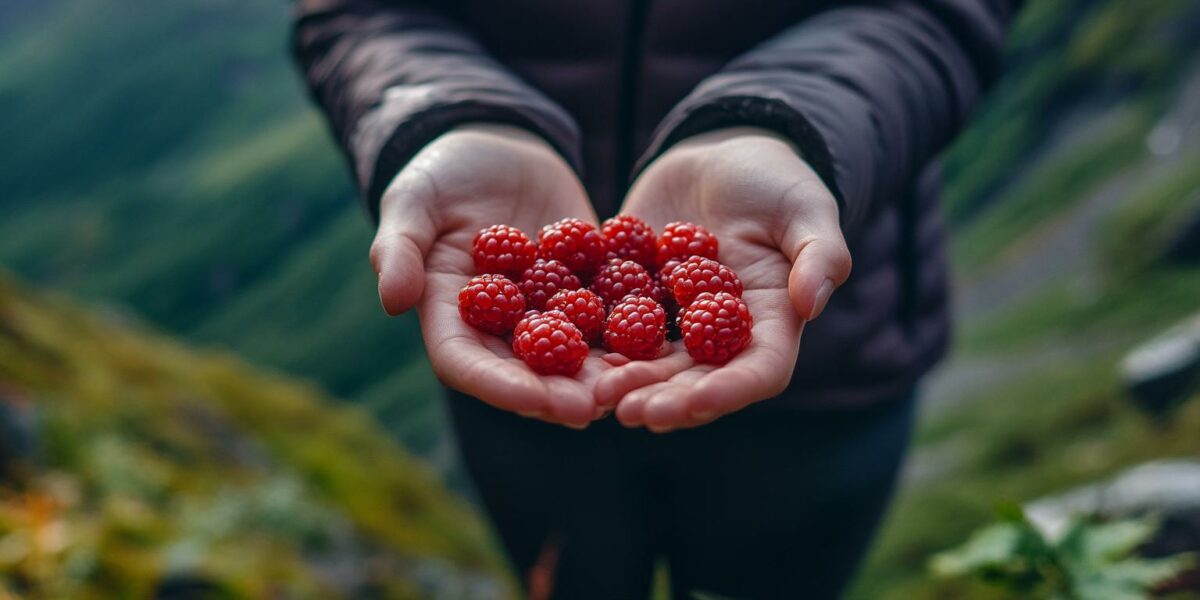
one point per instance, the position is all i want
(1170, 488)
(1162, 372)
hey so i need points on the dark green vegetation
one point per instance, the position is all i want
(162, 156)
(1091, 560)
(1040, 408)
(147, 459)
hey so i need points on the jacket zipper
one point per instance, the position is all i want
(631, 72)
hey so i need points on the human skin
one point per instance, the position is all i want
(778, 229)
(467, 179)
(776, 222)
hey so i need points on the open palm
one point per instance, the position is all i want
(778, 229)
(460, 183)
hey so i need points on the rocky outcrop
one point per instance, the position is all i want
(1169, 489)
(1163, 371)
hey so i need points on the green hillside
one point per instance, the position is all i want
(141, 460)
(1063, 204)
(167, 160)
(162, 156)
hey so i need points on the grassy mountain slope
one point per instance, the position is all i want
(1039, 406)
(163, 157)
(147, 460)
(166, 160)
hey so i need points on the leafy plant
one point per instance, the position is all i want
(1091, 560)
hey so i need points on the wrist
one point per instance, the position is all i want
(726, 137)
(502, 133)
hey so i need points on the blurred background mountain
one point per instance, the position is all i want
(131, 467)
(162, 157)
(162, 165)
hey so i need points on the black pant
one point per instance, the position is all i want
(759, 504)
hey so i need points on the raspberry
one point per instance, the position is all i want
(550, 344)
(544, 279)
(574, 242)
(681, 240)
(621, 278)
(503, 249)
(629, 238)
(583, 308)
(697, 275)
(667, 268)
(667, 298)
(716, 327)
(491, 303)
(636, 327)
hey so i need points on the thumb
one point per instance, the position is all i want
(405, 234)
(820, 263)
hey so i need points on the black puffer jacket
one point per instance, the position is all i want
(870, 92)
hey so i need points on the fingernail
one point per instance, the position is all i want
(703, 415)
(576, 427)
(823, 294)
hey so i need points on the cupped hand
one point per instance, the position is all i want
(468, 179)
(778, 229)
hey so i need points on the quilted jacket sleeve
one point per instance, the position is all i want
(392, 76)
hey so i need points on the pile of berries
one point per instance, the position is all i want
(620, 287)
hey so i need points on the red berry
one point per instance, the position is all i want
(574, 242)
(621, 278)
(491, 303)
(629, 238)
(681, 240)
(503, 249)
(667, 268)
(550, 344)
(697, 275)
(584, 308)
(544, 279)
(716, 327)
(667, 298)
(636, 327)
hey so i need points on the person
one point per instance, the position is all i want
(802, 134)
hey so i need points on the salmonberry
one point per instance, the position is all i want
(716, 327)
(697, 275)
(575, 243)
(491, 303)
(503, 249)
(636, 327)
(621, 278)
(584, 308)
(667, 268)
(544, 279)
(663, 275)
(681, 240)
(630, 238)
(550, 343)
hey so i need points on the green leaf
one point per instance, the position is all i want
(1092, 561)
(1142, 574)
(1087, 542)
(1098, 565)
(991, 547)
